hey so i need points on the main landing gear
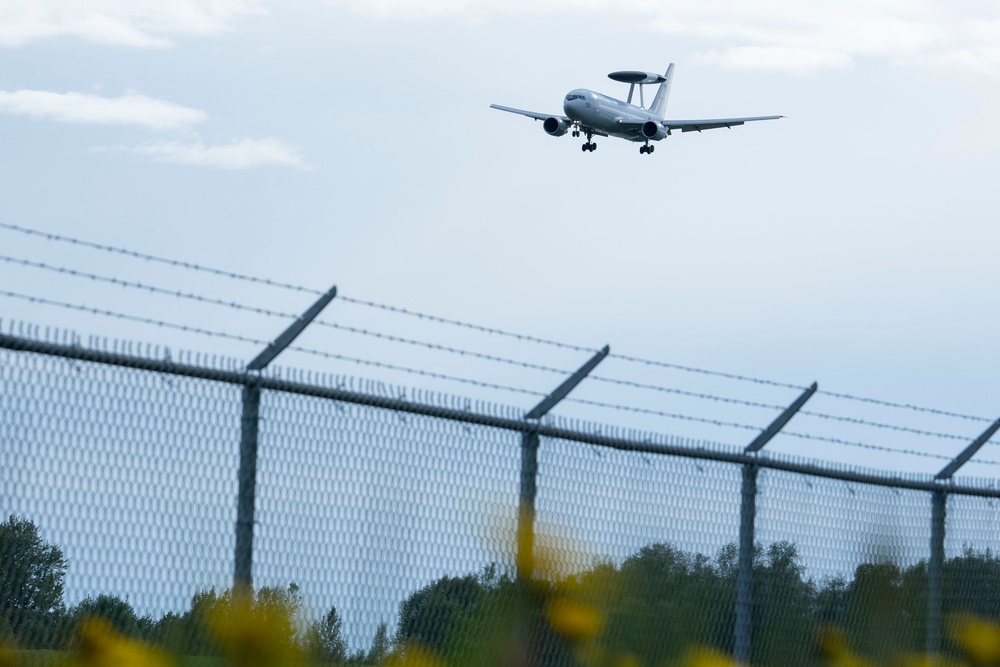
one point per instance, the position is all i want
(646, 149)
(590, 145)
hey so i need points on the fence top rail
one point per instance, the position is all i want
(633, 442)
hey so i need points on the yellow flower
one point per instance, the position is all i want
(574, 620)
(100, 646)
(700, 656)
(9, 657)
(254, 633)
(978, 637)
(832, 644)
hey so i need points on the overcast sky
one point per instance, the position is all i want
(351, 143)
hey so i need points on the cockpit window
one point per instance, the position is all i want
(573, 97)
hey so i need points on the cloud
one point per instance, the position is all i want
(778, 59)
(238, 154)
(130, 23)
(792, 36)
(129, 109)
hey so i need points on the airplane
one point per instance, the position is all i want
(596, 114)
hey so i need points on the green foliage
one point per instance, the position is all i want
(31, 584)
(430, 615)
(324, 639)
(116, 611)
(652, 606)
(380, 648)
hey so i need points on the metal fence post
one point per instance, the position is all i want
(743, 629)
(744, 573)
(935, 571)
(526, 512)
(529, 467)
(247, 486)
(935, 566)
(249, 428)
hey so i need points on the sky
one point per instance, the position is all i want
(345, 143)
(321, 143)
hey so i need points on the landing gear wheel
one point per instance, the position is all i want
(585, 147)
(651, 149)
(593, 147)
(643, 150)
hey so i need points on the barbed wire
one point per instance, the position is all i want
(132, 318)
(904, 406)
(749, 427)
(452, 378)
(50, 236)
(260, 342)
(702, 371)
(880, 448)
(480, 328)
(460, 351)
(146, 288)
(468, 325)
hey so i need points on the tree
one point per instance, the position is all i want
(433, 614)
(31, 583)
(325, 639)
(381, 647)
(113, 609)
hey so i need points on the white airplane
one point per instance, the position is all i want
(596, 114)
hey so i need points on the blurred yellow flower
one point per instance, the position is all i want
(100, 646)
(701, 656)
(832, 644)
(252, 633)
(574, 620)
(9, 657)
(978, 638)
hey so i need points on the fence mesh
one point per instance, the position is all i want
(376, 528)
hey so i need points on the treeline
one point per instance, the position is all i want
(661, 601)
(652, 606)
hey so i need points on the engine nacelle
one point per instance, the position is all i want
(555, 127)
(653, 131)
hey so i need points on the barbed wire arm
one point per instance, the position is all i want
(292, 332)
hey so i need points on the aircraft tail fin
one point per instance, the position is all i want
(660, 101)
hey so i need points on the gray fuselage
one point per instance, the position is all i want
(606, 113)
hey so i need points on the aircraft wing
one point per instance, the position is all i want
(529, 114)
(711, 123)
(545, 116)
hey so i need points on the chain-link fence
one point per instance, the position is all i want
(382, 518)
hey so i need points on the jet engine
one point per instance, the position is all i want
(555, 127)
(651, 130)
